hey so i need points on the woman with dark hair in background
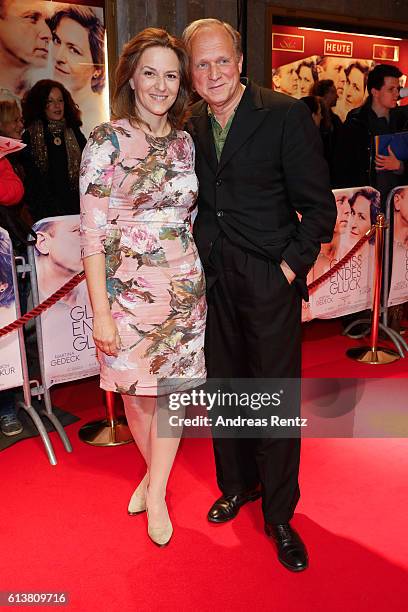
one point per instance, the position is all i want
(331, 124)
(55, 141)
(315, 106)
(79, 62)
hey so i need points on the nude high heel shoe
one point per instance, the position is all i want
(137, 503)
(160, 536)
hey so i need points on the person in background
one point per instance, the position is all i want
(11, 192)
(314, 104)
(55, 143)
(79, 61)
(331, 124)
(24, 42)
(354, 159)
(334, 68)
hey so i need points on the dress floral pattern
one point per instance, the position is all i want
(137, 195)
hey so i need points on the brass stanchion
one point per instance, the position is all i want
(111, 431)
(375, 354)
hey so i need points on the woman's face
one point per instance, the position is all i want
(73, 63)
(156, 82)
(360, 217)
(13, 128)
(54, 106)
(305, 80)
(355, 90)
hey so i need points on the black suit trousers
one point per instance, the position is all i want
(254, 331)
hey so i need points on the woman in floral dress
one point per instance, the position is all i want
(145, 280)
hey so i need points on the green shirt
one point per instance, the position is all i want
(219, 133)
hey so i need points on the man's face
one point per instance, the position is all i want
(401, 205)
(355, 88)
(343, 213)
(387, 96)
(24, 35)
(287, 80)
(60, 243)
(334, 68)
(215, 68)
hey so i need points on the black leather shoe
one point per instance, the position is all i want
(292, 552)
(227, 506)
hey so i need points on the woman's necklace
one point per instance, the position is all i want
(56, 129)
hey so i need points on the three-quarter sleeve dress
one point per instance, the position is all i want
(137, 196)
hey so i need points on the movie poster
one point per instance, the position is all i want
(350, 288)
(11, 374)
(303, 56)
(399, 276)
(61, 41)
(69, 350)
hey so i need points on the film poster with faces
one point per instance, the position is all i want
(349, 289)
(11, 374)
(302, 56)
(62, 41)
(69, 350)
(399, 276)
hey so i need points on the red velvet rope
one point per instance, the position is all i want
(342, 261)
(75, 280)
(50, 301)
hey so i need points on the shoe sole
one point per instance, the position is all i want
(293, 569)
(136, 513)
(252, 498)
(14, 433)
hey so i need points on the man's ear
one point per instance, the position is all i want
(276, 81)
(374, 92)
(397, 198)
(319, 71)
(240, 60)
(42, 244)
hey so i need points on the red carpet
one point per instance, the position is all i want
(65, 528)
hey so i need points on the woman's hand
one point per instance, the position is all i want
(105, 334)
(387, 162)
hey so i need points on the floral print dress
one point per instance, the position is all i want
(137, 195)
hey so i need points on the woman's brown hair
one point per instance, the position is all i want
(35, 101)
(123, 99)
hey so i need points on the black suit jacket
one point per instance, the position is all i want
(271, 167)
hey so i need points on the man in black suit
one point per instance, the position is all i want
(259, 161)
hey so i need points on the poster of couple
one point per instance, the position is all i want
(61, 41)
